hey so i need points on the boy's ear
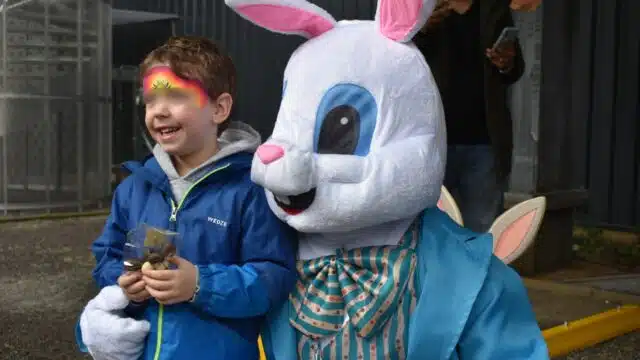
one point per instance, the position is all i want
(222, 107)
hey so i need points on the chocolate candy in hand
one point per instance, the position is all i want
(133, 265)
(156, 260)
(168, 250)
(149, 247)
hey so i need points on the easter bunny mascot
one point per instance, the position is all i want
(355, 163)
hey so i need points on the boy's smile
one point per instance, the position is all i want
(178, 126)
(167, 134)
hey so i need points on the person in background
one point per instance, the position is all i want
(473, 79)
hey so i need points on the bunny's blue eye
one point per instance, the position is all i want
(345, 121)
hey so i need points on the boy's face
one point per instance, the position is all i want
(178, 113)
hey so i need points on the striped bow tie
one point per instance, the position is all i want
(364, 284)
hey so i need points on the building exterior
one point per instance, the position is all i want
(576, 109)
(590, 109)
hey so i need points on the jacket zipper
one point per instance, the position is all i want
(172, 219)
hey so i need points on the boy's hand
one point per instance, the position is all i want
(133, 286)
(172, 286)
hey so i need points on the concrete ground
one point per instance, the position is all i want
(626, 283)
(45, 281)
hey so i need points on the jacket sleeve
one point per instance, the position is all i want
(266, 273)
(502, 324)
(108, 248)
(515, 73)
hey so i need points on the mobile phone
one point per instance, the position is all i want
(508, 34)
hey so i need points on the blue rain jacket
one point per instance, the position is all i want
(471, 305)
(245, 256)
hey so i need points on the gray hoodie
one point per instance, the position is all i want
(238, 137)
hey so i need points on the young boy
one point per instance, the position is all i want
(236, 259)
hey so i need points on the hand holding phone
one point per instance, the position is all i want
(503, 51)
(508, 35)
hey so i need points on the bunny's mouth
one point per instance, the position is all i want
(296, 204)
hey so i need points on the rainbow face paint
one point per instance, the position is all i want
(162, 78)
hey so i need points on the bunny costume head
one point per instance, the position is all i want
(360, 138)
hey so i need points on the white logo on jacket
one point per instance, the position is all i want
(217, 221)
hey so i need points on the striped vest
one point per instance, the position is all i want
(356, 304)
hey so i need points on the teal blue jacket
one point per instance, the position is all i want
(471, 305)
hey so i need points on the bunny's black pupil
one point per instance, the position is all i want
(340, 131)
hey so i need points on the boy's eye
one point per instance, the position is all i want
(148, 98)
(177, 94)
(169, 94)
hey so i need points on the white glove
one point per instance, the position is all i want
(107, 332)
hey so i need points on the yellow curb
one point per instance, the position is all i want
(580, 334)
(581, 290)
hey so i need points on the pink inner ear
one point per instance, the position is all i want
(398, 17)
(285, 19)
(440, 205)
(512, 237)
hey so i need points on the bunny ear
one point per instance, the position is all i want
(448, 204)
(290, 17)
(514, 231)
(400, 20)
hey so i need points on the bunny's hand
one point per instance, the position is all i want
(107, 332)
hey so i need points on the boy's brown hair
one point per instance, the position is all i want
(196, 58)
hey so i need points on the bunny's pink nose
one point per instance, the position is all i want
(269, 153)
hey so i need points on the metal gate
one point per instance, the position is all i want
(54, 111)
